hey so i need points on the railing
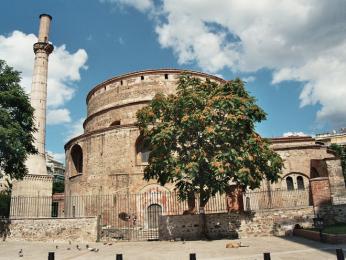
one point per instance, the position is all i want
(135, 206)
(276, 199)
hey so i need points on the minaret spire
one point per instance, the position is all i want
(37, 184)
(37, 163)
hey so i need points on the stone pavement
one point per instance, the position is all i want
(280, 248)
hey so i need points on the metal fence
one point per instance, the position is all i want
(276, 199)
(136, 216)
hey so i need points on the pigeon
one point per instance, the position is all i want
(93, 249)
(20, 253)
(77, 246)
(68, 248)
(87, 246)
(56, 247)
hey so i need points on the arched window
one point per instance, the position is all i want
(77, 159)
(289, 183)
(142, 151)
(300, 183)
(116, 122)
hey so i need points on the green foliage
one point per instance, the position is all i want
(16, 124)
(340, 151)
(203, 138)
(58, 186)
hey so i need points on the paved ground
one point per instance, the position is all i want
(280, 248)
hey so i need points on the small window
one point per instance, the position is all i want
(166, 76)
(117, 122)
(145, 154)
(121, 82)
(289, 183)
(300, 183)
(142, 77)
(142, 151)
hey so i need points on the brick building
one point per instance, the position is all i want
(108, 160)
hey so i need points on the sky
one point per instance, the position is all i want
(290, 53)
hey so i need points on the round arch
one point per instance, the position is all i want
(76, 159)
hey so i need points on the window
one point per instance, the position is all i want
(116, 122)
(77, 159)
(166, 76)
(142, 77)
(300, 183)
(289, 183)
(142, 151)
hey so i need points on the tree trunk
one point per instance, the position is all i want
(191, 203)
(202, 218)
(234, 198)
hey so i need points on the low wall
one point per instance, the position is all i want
(51, 229)
(315, 235)
(332, 213)
(232, 225)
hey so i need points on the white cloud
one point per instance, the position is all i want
(75, 129)
(58, 116)
(141, 5)
(63, 69)
(57, 156)
(249, 79)
(294, 134)
(298, 40)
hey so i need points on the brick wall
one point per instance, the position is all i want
(52, 229)
(230, 225)
(320, 191)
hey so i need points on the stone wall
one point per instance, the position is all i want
(52, 229)
(332, 213)
(231, 225)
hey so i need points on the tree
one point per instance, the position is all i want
(5, 199)
(340, 151)
(203, 138)
(16, 124)
(58, 186)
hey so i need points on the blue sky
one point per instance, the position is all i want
(292, 53)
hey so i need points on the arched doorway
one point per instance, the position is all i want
(154, 212)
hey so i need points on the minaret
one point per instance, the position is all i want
(37, 163)
(31, 197)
